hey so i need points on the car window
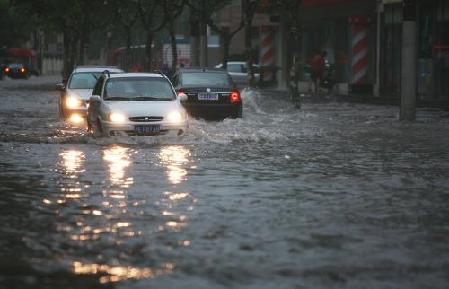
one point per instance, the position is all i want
(84, 80)
(235, 68)
(205, 79)
(138, 88)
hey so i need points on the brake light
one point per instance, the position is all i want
(234, 97)
(7, 69)
(22, 70)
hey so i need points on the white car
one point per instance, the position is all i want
(238, 71)
(136, 104)
(75, 95)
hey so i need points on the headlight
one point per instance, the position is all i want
(74, 102)
(175, 117)
(117, 117)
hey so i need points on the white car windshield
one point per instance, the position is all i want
(138, 89)
(84, 80)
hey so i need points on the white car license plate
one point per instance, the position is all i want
(143, 129)
(207, 96)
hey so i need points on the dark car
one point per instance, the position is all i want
(211, 93)
(16, 70)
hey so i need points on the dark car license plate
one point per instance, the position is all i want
(207, 96)
(147, 129)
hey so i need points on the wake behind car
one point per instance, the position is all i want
(136, 104)
(75, 95)
(211, 93)
(16, 70)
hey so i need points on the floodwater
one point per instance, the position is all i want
(335, 195)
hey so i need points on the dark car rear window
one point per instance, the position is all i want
(205, 78)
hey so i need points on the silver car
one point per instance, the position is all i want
(239, 72)
(75, 94)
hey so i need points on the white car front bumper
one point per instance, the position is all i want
(144, 128)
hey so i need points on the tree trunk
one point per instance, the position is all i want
(226, 44)
(149, 51)
(194, 44)
(174, 48)
(66, 69)
(248, 52)
(203, 45)
(295, 67)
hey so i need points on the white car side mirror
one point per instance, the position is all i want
(95, 98)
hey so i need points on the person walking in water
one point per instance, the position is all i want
(317, 65)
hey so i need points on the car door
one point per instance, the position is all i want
(237, 72)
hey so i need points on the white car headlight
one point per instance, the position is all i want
(175, 117)
(117, 117)
(74, 102)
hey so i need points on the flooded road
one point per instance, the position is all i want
(336, 195)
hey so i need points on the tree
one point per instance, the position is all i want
(201, 12)
(153, 20)
(127, 15)
(226, 35)
(249, 8)
(173, 8)
(291, 9)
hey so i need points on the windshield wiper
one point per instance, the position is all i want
(145, 98)
(117, 98)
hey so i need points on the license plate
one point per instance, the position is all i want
(147, 129)
(207, 96)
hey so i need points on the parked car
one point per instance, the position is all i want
(239, 72)
(75, 94)
(211, 93)
(136, 104)
(16, 70)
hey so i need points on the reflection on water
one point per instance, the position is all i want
(72, 161)
(175, 158)
(119, 273)
(118, 160)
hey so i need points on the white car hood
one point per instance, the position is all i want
(85, 94)
(143, 108)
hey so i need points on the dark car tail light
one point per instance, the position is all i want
(22, 70)
(234, 97)
(7, 69)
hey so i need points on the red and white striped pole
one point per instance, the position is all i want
(359, 47)
(267, 35)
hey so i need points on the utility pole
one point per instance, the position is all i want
(408, 66)
(379, 11)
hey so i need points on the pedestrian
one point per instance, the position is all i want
(317, 66)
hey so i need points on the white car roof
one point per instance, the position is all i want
(134, 74)
(112, 69)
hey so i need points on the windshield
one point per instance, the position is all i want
(85, 80)
(205, 79)
(138, 89)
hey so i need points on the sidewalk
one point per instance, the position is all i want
(352, 97)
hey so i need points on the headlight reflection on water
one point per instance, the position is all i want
(175, 159)
(118, 160)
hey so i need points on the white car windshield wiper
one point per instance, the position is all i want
(118, 98)
(147, 98)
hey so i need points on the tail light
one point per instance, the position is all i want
(7, 69)
(234, 97)
(22, 70)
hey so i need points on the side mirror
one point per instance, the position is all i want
(182, 96)
(60, 86)
(95, 99)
